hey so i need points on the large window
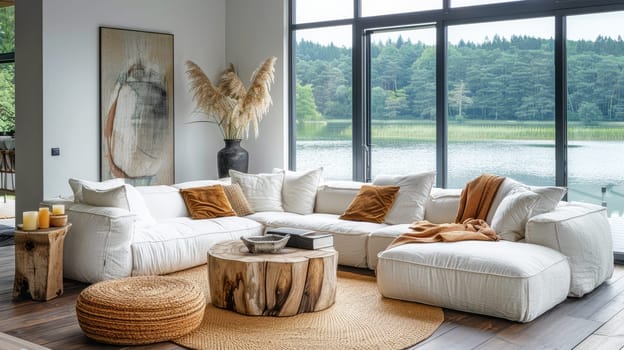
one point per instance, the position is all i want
(465, 86)
(501, 101)
(595, 94)
(323, 100)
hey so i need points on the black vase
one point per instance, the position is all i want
(232, 156)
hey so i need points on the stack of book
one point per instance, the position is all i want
(304, 239)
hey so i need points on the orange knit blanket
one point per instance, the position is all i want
(426, 232)
(475, 202)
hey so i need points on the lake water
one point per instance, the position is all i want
(592, 165)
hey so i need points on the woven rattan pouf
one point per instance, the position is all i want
(140, 310)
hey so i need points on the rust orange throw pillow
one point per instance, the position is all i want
(207, 202)
(371, 204)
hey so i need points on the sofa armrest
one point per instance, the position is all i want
(581, 232)
(97, 246)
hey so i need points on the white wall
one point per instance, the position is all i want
(71, 117)
(57, 89)
(254, 31)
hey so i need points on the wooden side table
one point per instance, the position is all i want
(39, 263)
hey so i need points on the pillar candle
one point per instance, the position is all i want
(29, 219)
(58, 209)
(44, 217)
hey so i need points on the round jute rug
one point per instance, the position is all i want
(360, 319)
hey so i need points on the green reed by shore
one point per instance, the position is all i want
(423, 131)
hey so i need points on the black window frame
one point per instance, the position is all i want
(443, 18)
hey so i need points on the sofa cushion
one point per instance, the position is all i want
(299, 190)
(582, 232)
(263, 191)
(163, 201)
(237, 200)
(124, 197)
(516, 281)
(414, 192)
(111, 197)
(371, 204)
(77, 184)
(200, 183)
(442, 205)
(350, 237)
(207, 202)
(511, 216)
(333, 197)
(549, 198)
(504, 189)
(379, 240)
(179, 243)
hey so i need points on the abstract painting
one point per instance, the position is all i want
(136, 106)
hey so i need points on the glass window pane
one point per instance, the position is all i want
(7, 97)
(7, 29)
(501, 101)
(462, 3)
(323, 101)
(322, 10)
(384, 7)
(595, 52)
(403, 114)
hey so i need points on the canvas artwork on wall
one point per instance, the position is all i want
(136, 106)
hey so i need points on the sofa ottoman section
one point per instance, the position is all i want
(516, 281)
(580, 231)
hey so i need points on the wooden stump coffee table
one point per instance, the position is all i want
(286, 283)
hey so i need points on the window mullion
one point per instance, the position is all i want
(441, 103)
(561, 128)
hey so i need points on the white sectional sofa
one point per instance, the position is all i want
(565, 252)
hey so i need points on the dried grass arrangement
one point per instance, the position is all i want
(228, 103)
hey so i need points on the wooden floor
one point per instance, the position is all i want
(593, 322)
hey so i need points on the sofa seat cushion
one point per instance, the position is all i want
(379, 240)
(179, 243)
(516, 281)
(350, 237)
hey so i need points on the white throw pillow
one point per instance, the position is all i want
(550, 196)
(263, 191)
(510, 218)
(77, 184)
(504, 189)
(111, 197)
(125, 197)
(137, 204)
(299, 190)
(409, 206)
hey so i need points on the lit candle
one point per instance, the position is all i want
(29, 219)
(58, 209)
(44, 217)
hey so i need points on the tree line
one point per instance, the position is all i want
(499, 79)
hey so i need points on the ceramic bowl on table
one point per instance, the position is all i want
(265, 244)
